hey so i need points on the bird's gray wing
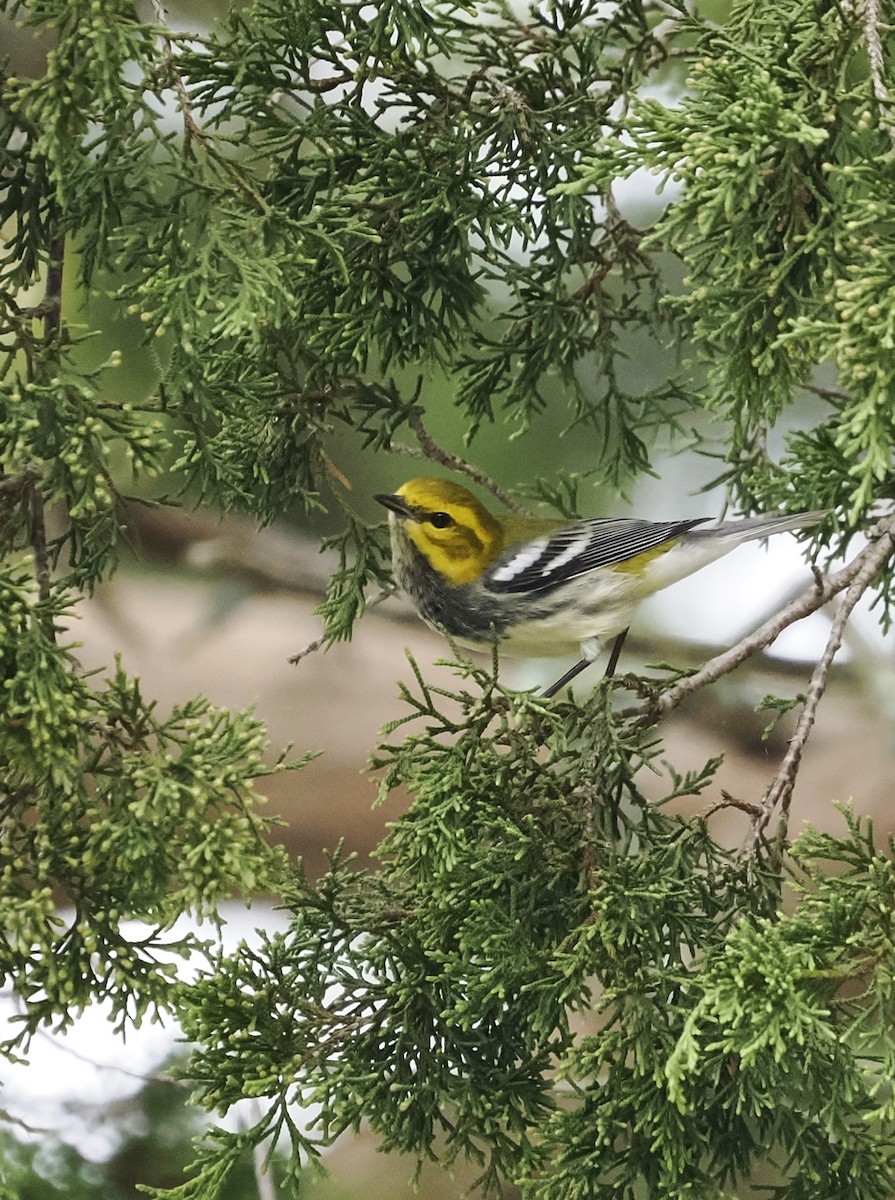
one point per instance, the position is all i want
(552, 559)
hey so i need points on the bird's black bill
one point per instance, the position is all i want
(394, 504)
(574, 672)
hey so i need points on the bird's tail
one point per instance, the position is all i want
(758, 527)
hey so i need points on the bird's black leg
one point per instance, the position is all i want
(567, 678)
(574, 672)
(615, 653)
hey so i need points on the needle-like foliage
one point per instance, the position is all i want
(305, 208)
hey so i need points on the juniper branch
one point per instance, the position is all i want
(52, 323)
(320, 642)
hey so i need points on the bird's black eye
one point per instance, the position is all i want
(440, 520)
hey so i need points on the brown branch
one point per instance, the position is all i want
(16, 485)
(436, 453)
(34, 1130)
(825, 393)
(594, 282)
(327, 84)
(728, 801)
(320, 642)
(869, 11)
(192, 129)
(190, 126)
(780, 792)
(63, 1047)
(878, 550)
(51, 306)
(52, 319)
(39, 543)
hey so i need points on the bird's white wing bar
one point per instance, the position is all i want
(546, 562)
(520, 561)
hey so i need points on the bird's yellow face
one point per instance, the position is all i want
(447, 524)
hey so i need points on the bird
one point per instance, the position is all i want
(545, 587)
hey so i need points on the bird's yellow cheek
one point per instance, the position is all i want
(452, 557)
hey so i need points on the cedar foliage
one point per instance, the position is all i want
(354, 194)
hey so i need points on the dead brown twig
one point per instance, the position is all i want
(779, 794)
(871, 558)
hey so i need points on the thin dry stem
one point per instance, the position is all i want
(33, 1130)
(320, 642)
(728, 801)
(871, 19)
(436, 453)
(779, 794)
(39, 543)
(878, 550)
(190, 126)
(194, 132)
(63, 1047)
(52, 319)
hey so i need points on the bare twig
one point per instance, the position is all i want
(593, 285)
(39, 543)
(869, 11)
(52, 319)
(728, 801)
(327, 84)
(34, 1130)
(320, 642)
(781, 789)
(825, 393)
(310, 648)
(192, 129)
(878, 550)
(870, 19)
(141, 1076)
(436, 453)
(51, 305)
(190, 126)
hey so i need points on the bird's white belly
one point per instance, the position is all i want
(564, 634)
(596, 607)
(588, 612)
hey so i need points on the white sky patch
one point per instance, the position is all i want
(71, 1079)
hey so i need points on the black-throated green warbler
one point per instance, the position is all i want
(543, 587)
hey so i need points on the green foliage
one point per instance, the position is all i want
(584, 994)
(780, 706)
(530, 890)
(49, 1172)
(782, 154)
(124, 815)
(363, 558)
(152, 1131)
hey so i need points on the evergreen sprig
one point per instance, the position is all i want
(303, 208)
(528, 890)
(119, 813)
